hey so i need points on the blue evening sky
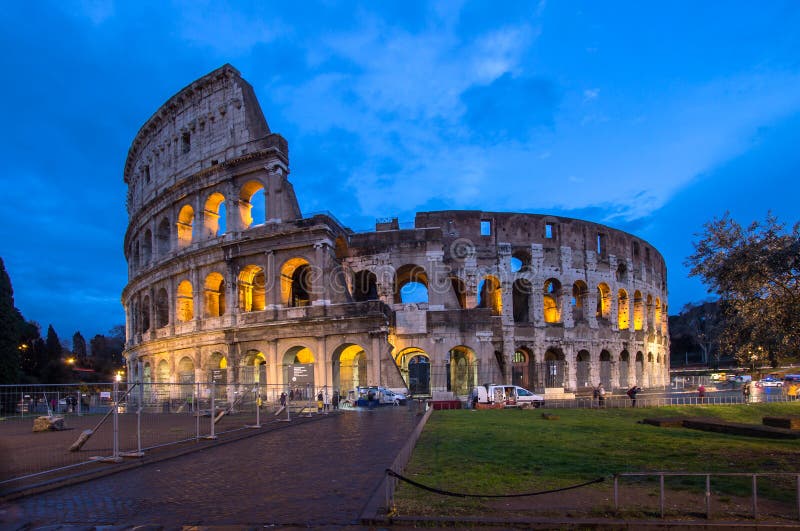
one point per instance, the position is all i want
(651, 117)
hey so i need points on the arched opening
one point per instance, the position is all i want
(623, 310)
(605, 369)
(145, 319)
(214, 215)
(162, 308)
(552, 301)
(638, 310)
(460, 290)
(217, 372)
(349, 368)
(163, 238)
(136, 255)
(657, 315)
(253, 370)
(603, 302)
(252, 289)
(214, 295)
(365, 286)
(583, 365)
(463, 371)
(580, 298)
(520, 261)
(185, 226)
(411, 285)
(522, 368)
(490, 295)
(147, 247)
(649, 312)
(162, 373)
(521, 292)
(554, 368)
(415, 366)
(186, 377)
(622, 272)
(298, 366)
(252, 204)
(184, 309)
(296, 283)
(624, 364)
(639, 368)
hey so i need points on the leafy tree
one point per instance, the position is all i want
(34, 355)
(55, 371)
(755, 270)
(10, 322)
(79, 348)
(698, 327)
(107, 351)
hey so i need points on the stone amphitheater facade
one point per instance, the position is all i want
(227, 277)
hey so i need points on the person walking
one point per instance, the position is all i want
(701, 393)
(319, 402)
(632, 394)
(601, 395)
(746, 392)
(335, 400)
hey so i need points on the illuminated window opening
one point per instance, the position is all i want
(214, 295)
(638, 310)
(549, 231)
(490, 295)
(185, 226)
(623, 310)
(296, 283)
(486, 227)
(214, 215)
(185, 302)
(252, 204)
(252, 292)
(552, 298)
(603, 301)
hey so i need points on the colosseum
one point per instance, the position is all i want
(229, 280)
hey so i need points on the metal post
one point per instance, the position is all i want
(116, 419)
(708, 496)
(755, 497)
(661, 494)
(616, 492)
(197, 413)
(213, 409)
(798, 496)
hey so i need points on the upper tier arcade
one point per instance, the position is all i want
(213, 121)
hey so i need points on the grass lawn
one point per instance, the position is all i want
(514, 451)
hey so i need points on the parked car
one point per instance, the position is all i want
(502, 396)
(769, 381)
(382, 394)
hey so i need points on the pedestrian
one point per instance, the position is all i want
(326, 401)
(335, 400)
(746, 392)
(291, 395)
(595, 395)
(283, 399)
(701, 392)
(371, 399)
(601, 395)
(319, 402)
(632, 394)
(475, 398)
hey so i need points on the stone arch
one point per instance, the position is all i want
(415, 366)
(521, 291)
(552, 301)
(649, 312)
(147, 247)
(252, 204)
(214, 295)
(657, 315)
(365, 286)
(185, 226)
(214, 215)
(624, 368)
(162, 372)
(163, 238)
(603, 302)
(639, 368)
(349, 368)
(605, 369)
(622, 272)
(162, 308)
(463, 370)
(296, 282)
(623, 310)
(583, 369)
(555, 368)
(216, 361)
(298, 366)
(410, 284)
(580, 299)
(638, 310)
(252, 289)
(184, 308)
(522, 368)
(253, 369)
(520, 260)
(145, 319)
(490, 295)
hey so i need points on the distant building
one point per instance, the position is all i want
(227, 279)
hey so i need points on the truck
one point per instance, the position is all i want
(499, 396)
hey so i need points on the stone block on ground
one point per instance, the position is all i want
(48, 423)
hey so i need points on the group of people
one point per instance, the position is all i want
(599, 394)
(323, 402)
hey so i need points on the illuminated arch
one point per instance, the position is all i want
(463, 370)
(603, 301)
(185, 226)
(490, 295)
(162, 372)
(213, 215)
(252, 204)
(184, 310)
(214, 295)
(296, 282)
(552, 301)
(411, 284)
(415, 366)
(252, 289)
(349, 367)
(253, 368)
(623, 310)
(638, 310)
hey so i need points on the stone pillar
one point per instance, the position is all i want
(437, 278)
(321, 277)
(322, 370)
(274, 376)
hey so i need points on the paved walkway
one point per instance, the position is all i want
(316, 474)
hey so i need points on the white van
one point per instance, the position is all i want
(502, 396)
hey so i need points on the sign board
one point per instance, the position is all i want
(219, 376)
(105, 394)
(300, 374)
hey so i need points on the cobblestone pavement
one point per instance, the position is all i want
(315, 474)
